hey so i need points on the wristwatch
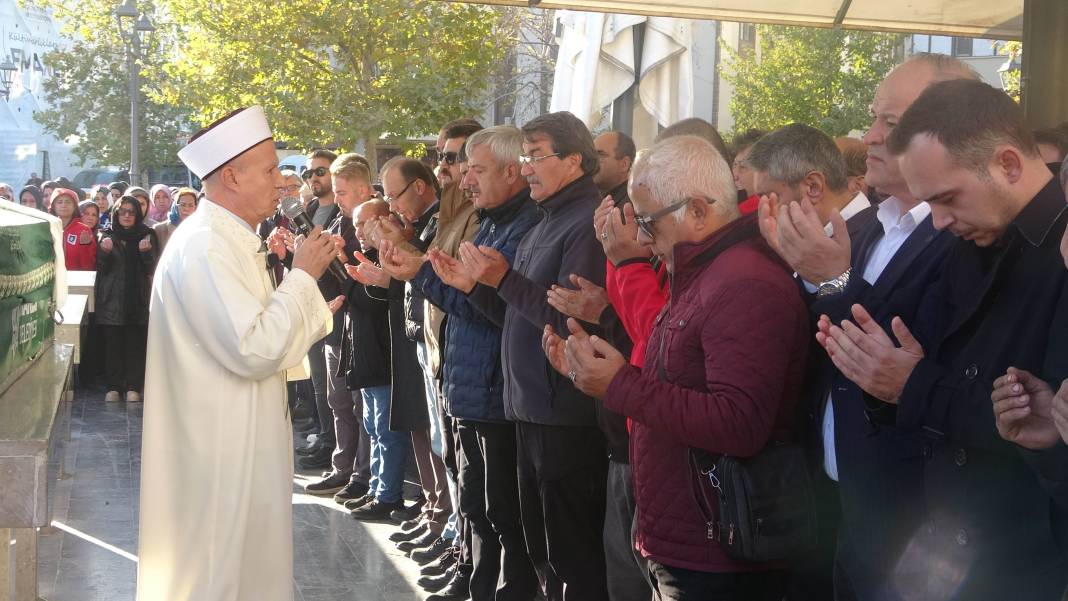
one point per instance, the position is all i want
(834, 285)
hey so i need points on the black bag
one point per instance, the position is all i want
(766, 507)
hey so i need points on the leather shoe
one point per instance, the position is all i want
(309, 449)
(458, 589)
(433, 584)
(428, 554)
(319, 459)
(411, 511)
(421, 542)
(446, 560)
(352, 490)
(407, 535)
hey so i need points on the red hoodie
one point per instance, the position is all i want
(79, 246)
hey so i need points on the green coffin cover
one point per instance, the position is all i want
(27, 279)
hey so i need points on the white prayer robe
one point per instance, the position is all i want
(217, 451)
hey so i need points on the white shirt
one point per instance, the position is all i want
(217, 457)
(897, 227)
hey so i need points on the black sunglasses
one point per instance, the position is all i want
(449, 157)
(317, 172)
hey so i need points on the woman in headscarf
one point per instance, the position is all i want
(79, 241)
(142, 197)
(161, 199)
(184, 207)
(31, 196)
(125, 263)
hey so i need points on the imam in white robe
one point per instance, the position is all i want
(217, 451)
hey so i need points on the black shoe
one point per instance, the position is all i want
(412, 524)
(327, 486)
(422, 541)
(352, 490)
(310, 448)
(319, 459)
(411, 511)
(458, 589)
(428, 554)
(433, 584)
(375, 511)
(359, 502)
(446, 560)
(408, 535)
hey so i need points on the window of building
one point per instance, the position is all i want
(962, 47)
(746, 37)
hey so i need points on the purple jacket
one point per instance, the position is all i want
(731, 343)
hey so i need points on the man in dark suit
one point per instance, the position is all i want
(888, 264)
(992, 526)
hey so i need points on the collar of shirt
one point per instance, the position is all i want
(858, 204)
(890, 215)
(246, 235)
(1037, 218)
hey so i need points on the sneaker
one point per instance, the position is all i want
(458, 589)
(375, 511)
(411, 511)
(408, 535)
(430, 553)
(133, 396)
(318, 460)
(112, 396)
(352, 490)
(435, 583)
(327, 486)
(360, 502)
(446, 560)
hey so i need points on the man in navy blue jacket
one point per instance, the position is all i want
(888, 266)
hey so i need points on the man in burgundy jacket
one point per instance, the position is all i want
(722, 371)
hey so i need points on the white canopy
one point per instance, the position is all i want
(994, 19)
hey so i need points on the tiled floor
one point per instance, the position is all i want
(89, 553)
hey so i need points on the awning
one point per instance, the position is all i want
(993, 19)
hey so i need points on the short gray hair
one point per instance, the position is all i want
(942, 66)
(505, 142)
(790, 153)
(686, 166)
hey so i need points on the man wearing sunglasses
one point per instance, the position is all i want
(450, 141)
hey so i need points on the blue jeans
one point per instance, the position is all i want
(437, 438)
(389, 450)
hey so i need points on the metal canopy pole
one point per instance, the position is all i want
(1044, 76)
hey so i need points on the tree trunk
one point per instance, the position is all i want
(371, 152)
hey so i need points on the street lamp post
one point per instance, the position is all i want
(7, 73)
(132, 40)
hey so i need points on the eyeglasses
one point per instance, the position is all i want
(317, 172)
(187, 205)
(449, 158)
(391, 199)
(645, 222)
(526, 159)
(293, 188)
(125, 212)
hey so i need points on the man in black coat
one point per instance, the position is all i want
(561, 452)
(990, 523)
(889, 260)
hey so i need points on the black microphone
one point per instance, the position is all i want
(294, 210)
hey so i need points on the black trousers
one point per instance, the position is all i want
(124, 358)
(562, 480)
(451, 458)
(627, 580)
(678, 584)
(489, 503)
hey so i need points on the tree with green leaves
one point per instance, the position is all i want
(89, 95)
(341, 73)
(825, 78)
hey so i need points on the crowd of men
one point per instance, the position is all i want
(570, 336)
(559, 328)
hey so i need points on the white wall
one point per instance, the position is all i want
(26, 35)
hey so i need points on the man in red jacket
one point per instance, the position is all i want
(723, 367)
